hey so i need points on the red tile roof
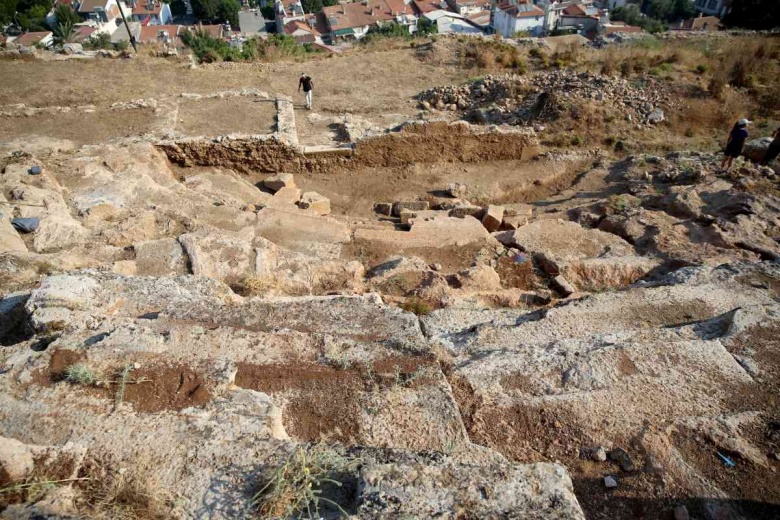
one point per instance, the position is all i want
(296, 25)
(575, 10)
(88, 6)
(616, 27)
(521, 10)
(428, 6)
(31, 38)
(150, 33)
(147, 8)
(368, 12)
(83, 32)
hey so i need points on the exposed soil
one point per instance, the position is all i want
(233, 115)
(60, 360)
(80, 127)
(159, 388)
(516, 274)
(325, 402)
(149, 389)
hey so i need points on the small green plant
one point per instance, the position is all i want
(297, 488)
(122, 383)
(702, 68)
(80, 374)
(622, 203)
(576, 140)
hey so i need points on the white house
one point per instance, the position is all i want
(286, 11)
(719, 8)
(448, 22)
(509, 19)
(151, 12)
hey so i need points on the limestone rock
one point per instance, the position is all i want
(756, 149)
(438, 232)
(160, 257)
(305, 233)
(218, 254)
(684, 202)
(541, 491)
(466, 210)
(16, 461)
(315, 202)
(479, 278)
(563, 286)
(518, 209)
(414, 205)
(288, 195)
(456, 190)
(493, 217)
(511, 222)
(9, 237)
(279, 181)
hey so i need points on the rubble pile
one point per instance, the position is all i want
(517, 100)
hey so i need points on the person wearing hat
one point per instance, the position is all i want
(736, 143)
(308, 85)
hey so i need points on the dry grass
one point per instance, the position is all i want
(311, 479)
(417, 306)
(112, 492)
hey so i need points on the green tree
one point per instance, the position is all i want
(64, 32)
(312, 6)
(7, 10)
(65, 13)
(227, 11)
(178, 8)
(754, 14)
(205, 9)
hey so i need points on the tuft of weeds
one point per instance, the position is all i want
(109, 491)
(80, 374)
(310, 480)
(417, 306)
(622, 203)
(124, 377)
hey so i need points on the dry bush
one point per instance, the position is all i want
(113, 493)
(311, 479)
(703, 116)
(491, 54)
(417, 306)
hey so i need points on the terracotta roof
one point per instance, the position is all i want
(88, 6)
(521, 10)
(575, 10)
(83, 32)
(616, 27)
(143, 7)
(427, 6)
(480, 17)
(368, 12)
(150, 33)
(300, 25)
(31, 38)
(701, 23)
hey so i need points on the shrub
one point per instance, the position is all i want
(701, 68)
(417, 306)
(576, 140)
(298, 487)
(622, 203)
(80, 374)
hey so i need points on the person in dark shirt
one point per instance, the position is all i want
(308, 85)
(774, 149)
(736, 143)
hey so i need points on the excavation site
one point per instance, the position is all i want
(450, 289)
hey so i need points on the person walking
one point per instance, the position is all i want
(308, 85)
(774, 149)
(736, 143)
